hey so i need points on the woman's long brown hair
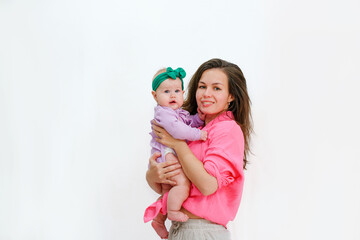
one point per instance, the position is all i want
(240, 106)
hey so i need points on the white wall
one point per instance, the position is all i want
(75, 105)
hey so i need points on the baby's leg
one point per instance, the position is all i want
(177, 195)
(165, 188)
(158, 223)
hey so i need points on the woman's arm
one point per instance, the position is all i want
(192, 167)
(161, 173)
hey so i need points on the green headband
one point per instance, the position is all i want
(170, 73)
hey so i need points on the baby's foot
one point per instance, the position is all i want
(160, 229)
(177, 216)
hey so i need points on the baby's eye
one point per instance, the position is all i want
(177, 91)
(166, 91)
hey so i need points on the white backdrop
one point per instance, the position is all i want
(75, 105)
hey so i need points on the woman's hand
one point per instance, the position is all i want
(201, 114)
(164, 137)
(192, 167)
(159, 173)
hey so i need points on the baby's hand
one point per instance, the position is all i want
(201, 114)
(203, 135)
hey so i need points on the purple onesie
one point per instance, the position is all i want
(179, 123)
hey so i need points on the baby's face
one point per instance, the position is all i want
(170, 94)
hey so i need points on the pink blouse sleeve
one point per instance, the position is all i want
(224, 156)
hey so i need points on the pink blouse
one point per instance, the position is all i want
(222, 155)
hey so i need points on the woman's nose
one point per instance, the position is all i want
(207, 92)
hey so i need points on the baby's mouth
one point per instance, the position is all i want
(172, 102)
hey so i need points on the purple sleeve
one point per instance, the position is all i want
(195, 121)
(168, 119)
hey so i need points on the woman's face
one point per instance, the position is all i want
(212, 94)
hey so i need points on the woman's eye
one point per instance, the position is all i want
(217, 89)
(202, 87)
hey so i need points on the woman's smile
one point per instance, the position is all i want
(206, 103)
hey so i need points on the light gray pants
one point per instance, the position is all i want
(198, 229)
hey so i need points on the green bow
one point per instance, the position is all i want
(170, 73)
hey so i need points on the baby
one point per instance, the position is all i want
(168, 92)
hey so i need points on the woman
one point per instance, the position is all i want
(215, 166)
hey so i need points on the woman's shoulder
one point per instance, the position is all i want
(226, 126)
(224, 123)
(226, 130)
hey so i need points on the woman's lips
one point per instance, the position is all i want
(206, 103)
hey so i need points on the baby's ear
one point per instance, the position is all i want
(154, 95)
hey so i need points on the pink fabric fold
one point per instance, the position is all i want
(160, 206)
